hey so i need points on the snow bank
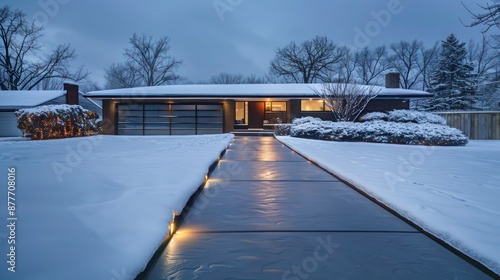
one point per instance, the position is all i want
(98, 207)
(451, 192)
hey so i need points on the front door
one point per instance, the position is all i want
(256, 114)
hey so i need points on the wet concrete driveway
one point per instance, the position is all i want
(268, 213)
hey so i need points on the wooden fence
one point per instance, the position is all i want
(475, 125)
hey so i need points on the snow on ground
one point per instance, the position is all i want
(451, 192)
(97, 207)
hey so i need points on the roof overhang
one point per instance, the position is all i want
(19, 99)
(240, 91)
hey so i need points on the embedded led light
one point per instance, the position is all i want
(171, 228)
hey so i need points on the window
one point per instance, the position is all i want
(314, 105)
(276, 106)
(241, 113)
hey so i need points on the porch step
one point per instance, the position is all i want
(251, 132)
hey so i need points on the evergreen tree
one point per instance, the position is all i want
(453, 83)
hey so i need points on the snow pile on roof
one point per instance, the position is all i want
(27, 98)
(238, 90)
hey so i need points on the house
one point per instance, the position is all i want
(209, 109)
(11, 101)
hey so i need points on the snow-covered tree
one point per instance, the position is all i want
(453, 83)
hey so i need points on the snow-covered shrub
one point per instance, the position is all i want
(299, 121)
(382, 132)
(282, 129)
(373, 116)
(57, 121)
(407, 116)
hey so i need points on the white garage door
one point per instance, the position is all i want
(169, 119)
(8, 125)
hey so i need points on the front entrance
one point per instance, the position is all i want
(256, 114)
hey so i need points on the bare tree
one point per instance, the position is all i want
(347, 101)
(370, 64)
(227, 78)
(308, 62)
(253, 79)
(147, 63)
(23, 63)
(344, 70)
(122, 75)
(483, 57)
(405, 58)
(428, 63)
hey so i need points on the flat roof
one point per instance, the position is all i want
(18, 99)
(239, 91)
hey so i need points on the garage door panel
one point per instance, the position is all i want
(174, 119)
(8, 125)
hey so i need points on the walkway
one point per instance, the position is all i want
(267, 213)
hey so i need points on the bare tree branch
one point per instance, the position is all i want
(405, 59)
(490, 17)
(307, 63)
(370, 64)
(346, 101)
(147, 63)
(227, 78)
(21, 64)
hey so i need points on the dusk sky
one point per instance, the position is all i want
(239, 36)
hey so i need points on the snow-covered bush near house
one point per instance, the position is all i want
(410, 116)
(299, 121)
(381, 132)
(374, 116)
(57, 121)
(282, 129)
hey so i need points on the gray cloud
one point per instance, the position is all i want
(245, 40)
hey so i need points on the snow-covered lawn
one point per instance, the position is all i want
(97, 207)
(451, 192)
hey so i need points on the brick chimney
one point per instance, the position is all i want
(392, 80)
(71, 94)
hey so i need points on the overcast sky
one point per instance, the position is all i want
(239, 36)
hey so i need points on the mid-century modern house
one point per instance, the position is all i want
(210, 109)
(13, 100)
